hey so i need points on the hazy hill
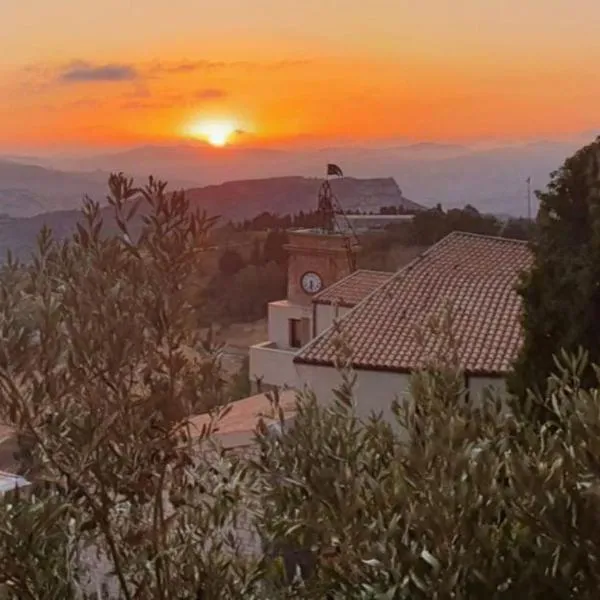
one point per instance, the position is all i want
(243, 199)
(27, 190)
(234, 200)
(31, 189)
(490, 177)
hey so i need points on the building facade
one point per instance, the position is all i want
(317, 260)
(393, 323)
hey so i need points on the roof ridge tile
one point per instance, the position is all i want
(482, 292)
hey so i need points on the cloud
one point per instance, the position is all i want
(210, 94)
(186, 66)
(42, 77)
(145, 105)
(81, 72)
(147, 101)
(85, 103)
(191, 66)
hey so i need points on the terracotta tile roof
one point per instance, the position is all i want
(353, 288)
(237, 427)
(475, 274)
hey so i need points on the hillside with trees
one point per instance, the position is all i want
(233, 200)
(102, 362)
(252, 267)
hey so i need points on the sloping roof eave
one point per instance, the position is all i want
(315, 362)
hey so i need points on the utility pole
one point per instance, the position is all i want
(529, 198)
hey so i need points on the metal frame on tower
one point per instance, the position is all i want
(334, 219)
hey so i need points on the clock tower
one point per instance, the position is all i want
(317, 259)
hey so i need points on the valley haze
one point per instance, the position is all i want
(490, 177)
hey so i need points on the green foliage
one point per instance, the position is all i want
(240, 386)
(391, 249)
(474, 504)
(431, 226)
(274, 249)
(267, 221)
(100, 367)
(244, 297)
(230, 262)
(256, 258)
(102, 364)
(38, 556)
(561, 297)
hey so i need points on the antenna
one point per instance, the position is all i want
(333, 217)
(529, 198)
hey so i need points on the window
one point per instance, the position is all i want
(295, 333)
(299, 332)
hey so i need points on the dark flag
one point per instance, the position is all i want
(334, 170)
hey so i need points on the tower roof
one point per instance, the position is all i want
(352, 289)
(474, 275)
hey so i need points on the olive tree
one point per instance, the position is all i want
(101, 364)
(475, 503)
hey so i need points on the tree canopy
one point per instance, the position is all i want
(561, 293)
(444, 501)
(230, 262)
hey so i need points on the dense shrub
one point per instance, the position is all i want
(244, 296)
(102, 372)
(474, 505)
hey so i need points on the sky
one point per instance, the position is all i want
(267, 72)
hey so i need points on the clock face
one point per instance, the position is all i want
(311, 282)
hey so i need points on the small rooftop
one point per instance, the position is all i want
(237, 427)
(476, 274)
(351, 290)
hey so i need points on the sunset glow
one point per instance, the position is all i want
(215, 133)
(372, 71)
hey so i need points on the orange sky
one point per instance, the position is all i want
(138, 71)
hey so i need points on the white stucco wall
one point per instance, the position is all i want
(273, 366)
(480, 386)
(280, 313)
(325, 315)
(374, 392)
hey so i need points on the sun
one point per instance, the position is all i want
(215, 133)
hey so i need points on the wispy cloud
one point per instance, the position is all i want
(210, 94)
(44, 76)
(85, 103)
(82, 72)
(185, 66)
(190, 66)
(147, 101)
(145, 105)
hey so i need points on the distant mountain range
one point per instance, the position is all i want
(238, 200)
(492, 178)
(27, 190)
(234, 200)
(242, 182)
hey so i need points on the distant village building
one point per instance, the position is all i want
(384, 317)
(364, 223)
(316, 262)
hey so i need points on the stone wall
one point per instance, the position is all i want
(317, 252)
